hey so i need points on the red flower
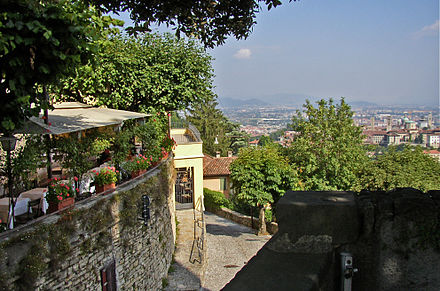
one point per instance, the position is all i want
(75, 178)
(59, 198)
(77, 189)
(50, 123)
(68, 195)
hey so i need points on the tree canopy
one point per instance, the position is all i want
(261, 176)
(144, 73)
(409, 167)
(40, 41)
(328, 149)
(213, 125)
(209, 21)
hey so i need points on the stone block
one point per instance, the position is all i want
(327, 213)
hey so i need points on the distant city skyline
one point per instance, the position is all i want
(386, 52)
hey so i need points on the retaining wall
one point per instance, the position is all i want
(271, 227)
(394, 238)
(70, 250)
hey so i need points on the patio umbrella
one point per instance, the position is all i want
(70, 117)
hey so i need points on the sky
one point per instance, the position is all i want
(379, 51)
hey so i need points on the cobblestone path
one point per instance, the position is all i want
(229, 247)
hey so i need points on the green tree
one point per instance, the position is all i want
(260, 176)
(328, 148)
(40, 41)
(210, 21)
(265, 140)
(151, 72)
(409, 167)
(25, 160)
(212, 125)
(239, 139)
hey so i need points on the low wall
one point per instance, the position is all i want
(394, 238)
(271, 227)
(101, 237)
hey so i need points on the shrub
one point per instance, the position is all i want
(215, 200)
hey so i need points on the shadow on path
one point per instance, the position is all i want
(229, 247)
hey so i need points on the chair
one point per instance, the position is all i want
(34, 204)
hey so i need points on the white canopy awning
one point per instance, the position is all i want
(74, 116)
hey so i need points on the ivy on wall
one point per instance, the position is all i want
(87, 227)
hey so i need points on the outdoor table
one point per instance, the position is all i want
(37, 193)
(21, 207)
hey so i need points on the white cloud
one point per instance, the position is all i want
(243, 54)
(431, 29)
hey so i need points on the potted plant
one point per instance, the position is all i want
(138, 165)
(105, 179)
(60, 195)
(168, 144)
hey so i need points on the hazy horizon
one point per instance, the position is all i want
(384, 52)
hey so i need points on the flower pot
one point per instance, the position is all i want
(55, 206)
(137, 173)
(105, 187)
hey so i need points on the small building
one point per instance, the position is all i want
(216, 173)
(433, 140)
(188, 162)
(433, 153)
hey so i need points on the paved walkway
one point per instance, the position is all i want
(186, 276)
(229, 247)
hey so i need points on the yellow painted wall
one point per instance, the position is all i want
(212, 184)
(189, 150)
(190, 155)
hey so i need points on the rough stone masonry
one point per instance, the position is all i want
(394, 238)
(102, 239)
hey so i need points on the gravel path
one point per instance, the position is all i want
(229, 247)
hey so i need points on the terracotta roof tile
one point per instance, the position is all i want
(217, 166)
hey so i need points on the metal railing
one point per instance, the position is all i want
(198, 245)
(185, 124)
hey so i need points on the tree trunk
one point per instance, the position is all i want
(262, 227)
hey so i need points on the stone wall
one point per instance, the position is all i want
(271, 227)
(399, 243)
(68, 251)
(394, 238)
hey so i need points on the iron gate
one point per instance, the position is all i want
(184, 185)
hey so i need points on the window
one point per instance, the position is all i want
(223, 185)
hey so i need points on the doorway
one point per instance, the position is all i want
(184, 188)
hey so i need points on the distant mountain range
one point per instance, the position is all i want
(280, 99)
(232, 102)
